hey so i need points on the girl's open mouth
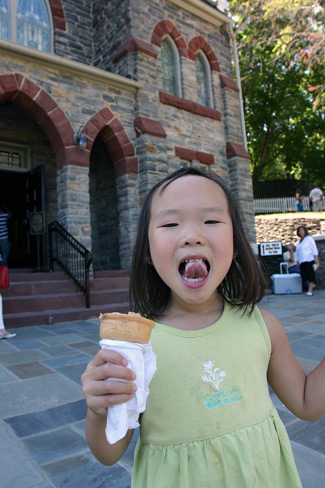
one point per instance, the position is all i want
(194, 270)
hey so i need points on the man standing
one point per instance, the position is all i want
(316, 199)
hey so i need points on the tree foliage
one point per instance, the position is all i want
(281, 49)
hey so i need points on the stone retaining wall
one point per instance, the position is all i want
(283, 227)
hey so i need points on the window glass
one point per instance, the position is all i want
(168, 66)
(202, 79)
(4, 19)
(33, 26)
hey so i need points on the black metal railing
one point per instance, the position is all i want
(71, 256)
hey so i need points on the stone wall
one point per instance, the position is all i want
(75, 40)
(284, 228)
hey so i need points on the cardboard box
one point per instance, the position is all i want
(286, 283)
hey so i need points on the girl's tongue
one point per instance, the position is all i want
(196, 269)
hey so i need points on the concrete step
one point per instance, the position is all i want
(22, 277)
(34, 303)
(46, 287)
(104, 284)
(29, 288)
(54, 316)
(36, 298)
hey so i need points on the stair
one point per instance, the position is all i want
(49, 298)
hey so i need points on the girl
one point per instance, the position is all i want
(209, 419)
(307, 256)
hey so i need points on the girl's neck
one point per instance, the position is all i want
(192, 318)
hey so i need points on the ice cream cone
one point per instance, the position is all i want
(129, 327)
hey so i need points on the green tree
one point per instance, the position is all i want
(281, 51)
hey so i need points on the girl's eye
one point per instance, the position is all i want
(211, 222)
(172, 224)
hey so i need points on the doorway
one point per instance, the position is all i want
(24, 193)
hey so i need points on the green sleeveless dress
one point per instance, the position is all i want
(209, 420)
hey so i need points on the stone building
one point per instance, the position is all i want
(101, 99)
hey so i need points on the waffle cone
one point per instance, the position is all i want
(125, 327)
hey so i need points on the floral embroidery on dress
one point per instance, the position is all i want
(214, 376)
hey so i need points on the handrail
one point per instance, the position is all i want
(72, 256)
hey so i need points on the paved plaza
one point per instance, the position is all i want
(42, 409)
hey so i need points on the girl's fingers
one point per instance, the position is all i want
(108, 356)
(108, 364)
(102, 394)
(109, 370)
(99, 405)
(102, 388)
(107, 381)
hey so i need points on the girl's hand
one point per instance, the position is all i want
(101, 394)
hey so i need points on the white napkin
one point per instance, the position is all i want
(142, 360)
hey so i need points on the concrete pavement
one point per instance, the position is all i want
(42, 409)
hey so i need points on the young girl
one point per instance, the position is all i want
(209, 420)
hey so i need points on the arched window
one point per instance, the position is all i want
(4, 19)
(203, 79)
(27, 22)
(171, 67)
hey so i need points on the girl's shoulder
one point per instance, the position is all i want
(274, 327)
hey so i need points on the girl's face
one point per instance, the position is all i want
(191, 240)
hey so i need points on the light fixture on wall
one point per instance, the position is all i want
(80, 139)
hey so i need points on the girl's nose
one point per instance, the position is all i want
(193, 237)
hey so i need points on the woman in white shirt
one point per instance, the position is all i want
(307, 256)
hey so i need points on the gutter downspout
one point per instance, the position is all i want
(237, 73)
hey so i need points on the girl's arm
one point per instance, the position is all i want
(303, 395)
(101, 394)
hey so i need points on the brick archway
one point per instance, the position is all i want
(166, 27)
(57, 14)
(45, 111)
(116, 140)
(199, 43)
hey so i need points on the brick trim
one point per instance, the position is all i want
(199, 43)
(234, 150)
(189, 106)
(40, 105)
(116, 140)
(126, 166)
(57, 14)
(164, 28)
(144, 125)
(192, 155)
(43, 109)
(134, 44)
(228, 83)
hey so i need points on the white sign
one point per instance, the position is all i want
(271, 248)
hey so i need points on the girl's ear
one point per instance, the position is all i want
(235, 255)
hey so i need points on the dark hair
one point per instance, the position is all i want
(243, 286)
(302, 227)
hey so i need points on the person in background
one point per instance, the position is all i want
(298, 203)
(316, 199)
(4, 236)
(307, 256)
(289, 256)
(4, 251)
(4, 334)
